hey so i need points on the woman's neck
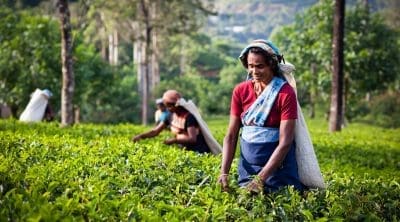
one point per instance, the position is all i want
(180, 111)
(260, 85)
(265, 81)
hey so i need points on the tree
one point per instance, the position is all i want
(144, 9)
(67, 115)
(370, 66)
(307, 45)
(29, 49)
(148, 25)
(156, 19)
(336, 111)
(100, 25)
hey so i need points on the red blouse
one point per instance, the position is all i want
(284, 108)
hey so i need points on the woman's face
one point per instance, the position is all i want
(258, 68)
(170, 105)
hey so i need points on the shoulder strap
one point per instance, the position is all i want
(258, 112)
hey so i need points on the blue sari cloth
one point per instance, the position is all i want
(257, 144)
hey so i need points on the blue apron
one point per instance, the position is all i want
(254, 156)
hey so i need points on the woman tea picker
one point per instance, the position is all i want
(265, 108)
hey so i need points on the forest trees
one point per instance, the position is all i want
(181, 55)
(91, 25)
(148, 25)
(157, 21)
(370, 56)
(29, 49)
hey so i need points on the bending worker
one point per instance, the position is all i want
(184, 125)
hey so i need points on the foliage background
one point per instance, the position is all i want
(202, 61)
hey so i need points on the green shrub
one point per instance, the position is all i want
(384, 110)
(92, 172)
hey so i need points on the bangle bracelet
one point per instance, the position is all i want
(224, 174)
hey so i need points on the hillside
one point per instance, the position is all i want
(244, 20)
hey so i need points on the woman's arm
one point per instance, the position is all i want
(229, 148)
(152, 133)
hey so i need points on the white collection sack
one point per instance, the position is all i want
(307, 163)
(36, 107)
(210, 140)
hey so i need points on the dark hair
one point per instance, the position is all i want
(271, 60)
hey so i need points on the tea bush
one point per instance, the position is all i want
(94, 173)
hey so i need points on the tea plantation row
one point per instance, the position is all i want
(94, 173)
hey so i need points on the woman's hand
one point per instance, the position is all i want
(256, 185)
(170, 141)
(224, 182)
(136, 138)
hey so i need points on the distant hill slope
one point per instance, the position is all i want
(242, 21)
(245, 20)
